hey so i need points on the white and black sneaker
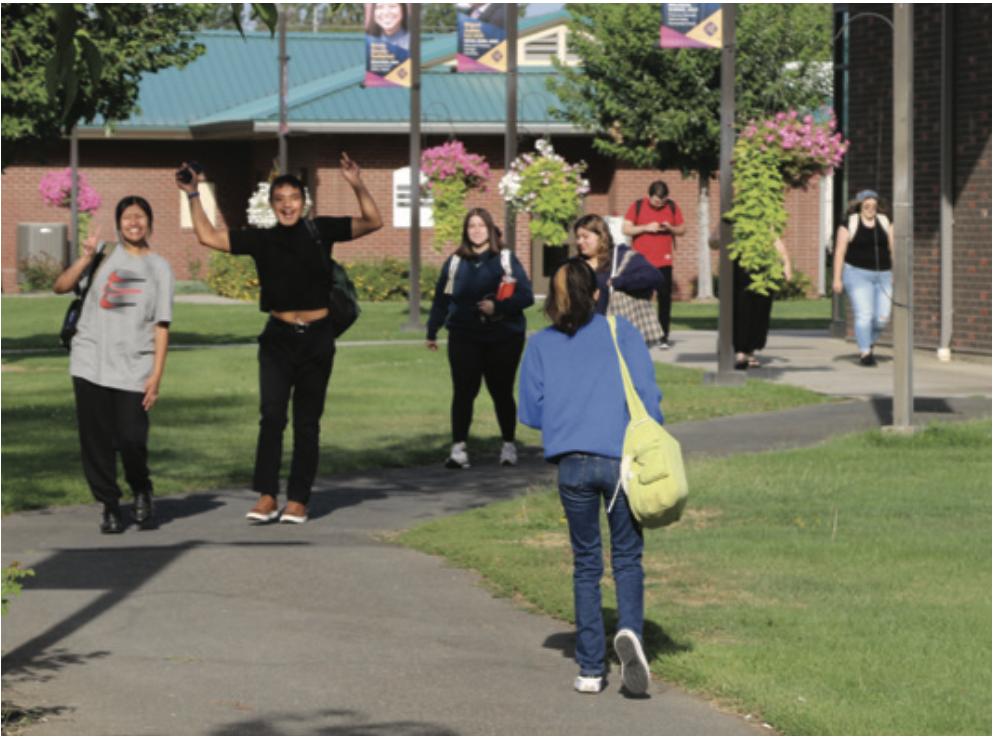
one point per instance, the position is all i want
(634, 669)
(589, 685)
(458, 459)
(508, 454)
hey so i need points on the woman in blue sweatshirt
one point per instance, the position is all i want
(480, 297)
(571, 389)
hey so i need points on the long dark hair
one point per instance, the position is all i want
(493, 234)
(135, 200)
(571, 301)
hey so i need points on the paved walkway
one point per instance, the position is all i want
(211, 627)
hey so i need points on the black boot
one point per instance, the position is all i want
(144, 510)
(113, 523)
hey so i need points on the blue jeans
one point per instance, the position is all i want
(870, 294)
(584, 480)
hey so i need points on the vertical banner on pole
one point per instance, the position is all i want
(691, 26)
(482, 37)
(388, 45)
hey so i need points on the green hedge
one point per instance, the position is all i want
(382, 280)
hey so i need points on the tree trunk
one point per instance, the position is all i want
(704, 278)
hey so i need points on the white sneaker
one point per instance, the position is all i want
(589, 684)
(458, 459)
(508, 454)
(634, 669)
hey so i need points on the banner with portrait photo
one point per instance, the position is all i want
(691, 26)
(482, 37)
(388, 45)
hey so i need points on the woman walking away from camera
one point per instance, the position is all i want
(118, 356)
(864, 249)
(480, 297)
(572, 390)
(619, 268)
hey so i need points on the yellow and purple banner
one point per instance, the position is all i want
(388, 45)
(482, 37)
(691, 26)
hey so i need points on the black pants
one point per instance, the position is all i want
(750, 314)
(472, 361)
(664, 299)
(295, 364)
(112, 421)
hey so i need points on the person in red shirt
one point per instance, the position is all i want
(652, 224)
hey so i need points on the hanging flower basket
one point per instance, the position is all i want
(549, 189)
(770, 156)
(452, 174)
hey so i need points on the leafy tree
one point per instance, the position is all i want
(660, 109)
(76, 62)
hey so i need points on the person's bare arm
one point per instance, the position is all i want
(207, 234)
(158, 366)
(369, 220)
(841, 246)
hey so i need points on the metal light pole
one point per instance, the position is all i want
(726, 375)
(284, 89)
(414, 323)
(904, 155)
(511, 128)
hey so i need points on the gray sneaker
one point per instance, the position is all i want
(634, 669)
(458, 458)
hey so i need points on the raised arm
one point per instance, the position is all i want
(70, 277)
(369, 220)
(202, 226)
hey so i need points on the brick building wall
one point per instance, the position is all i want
(118, 168)
(869, 163)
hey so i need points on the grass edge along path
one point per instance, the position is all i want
(838, 590)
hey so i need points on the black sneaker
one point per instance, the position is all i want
(867, 360)
(113, 522)
(144, 510)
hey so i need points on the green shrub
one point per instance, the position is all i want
(40, 272)
(233, 277)
(387, 280)
(797, 289)
(382, 280)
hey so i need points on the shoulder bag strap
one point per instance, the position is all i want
(635, 406)
(453, 267)
(98, 261)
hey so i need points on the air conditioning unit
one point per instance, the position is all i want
(41, 239)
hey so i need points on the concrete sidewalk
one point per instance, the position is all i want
(209, 626)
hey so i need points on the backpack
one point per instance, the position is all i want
(652, 473)
(505, 262)
(343, 304)
(71, 321)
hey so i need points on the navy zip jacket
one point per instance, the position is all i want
(478, 279)
(638, 276)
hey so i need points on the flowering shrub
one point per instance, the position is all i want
(233, 277)
(771, 155)
(549, 189)
(452, 173)
(260, 214)
(56, 188)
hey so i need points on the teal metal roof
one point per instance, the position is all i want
(236, 83)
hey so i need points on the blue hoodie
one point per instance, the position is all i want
(478, 279)
(571, 387)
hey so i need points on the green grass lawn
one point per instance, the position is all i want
(388, 405)
(33, 322)
(841, 590)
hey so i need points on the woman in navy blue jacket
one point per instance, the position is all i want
(617, 267)
(480, 297)
(572, 390)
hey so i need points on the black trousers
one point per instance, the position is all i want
(473, 361)
(294, 365)
(750, 314)
(664, 299)
(112, 421)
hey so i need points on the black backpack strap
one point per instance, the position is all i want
(638, 209)
(315, 234)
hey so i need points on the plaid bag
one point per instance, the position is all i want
(636, 308)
